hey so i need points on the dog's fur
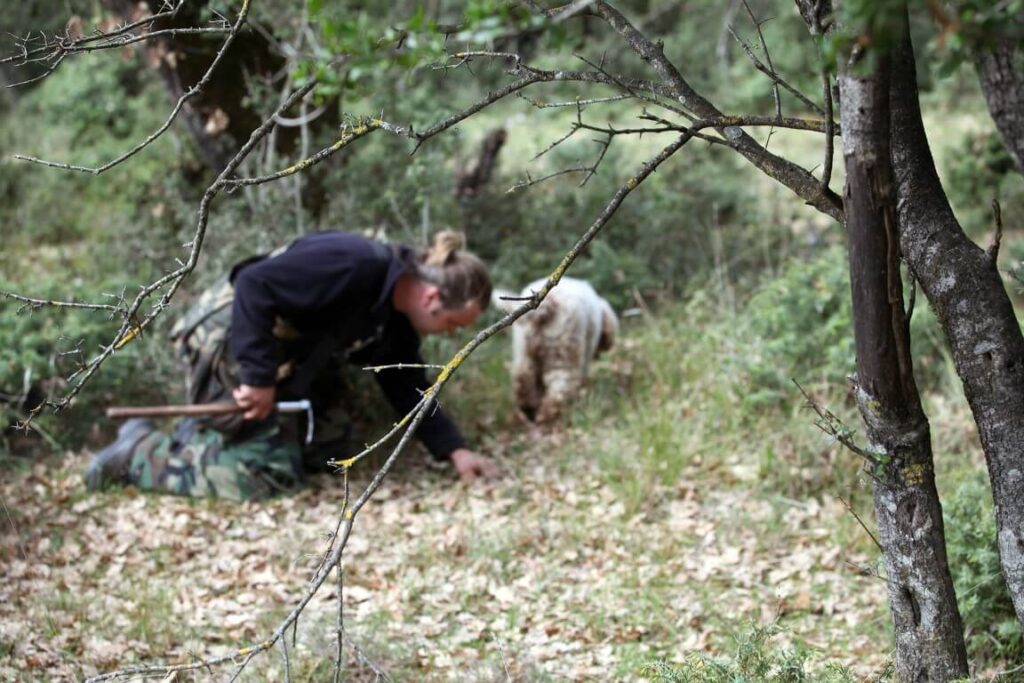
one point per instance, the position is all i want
(552, 346)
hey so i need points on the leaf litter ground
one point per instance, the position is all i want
(544, 575)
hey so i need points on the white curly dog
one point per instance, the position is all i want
(553, 345)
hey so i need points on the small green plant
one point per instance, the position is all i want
(990, 624)
(752, 658)
(800, 326)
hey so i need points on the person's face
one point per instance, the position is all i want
(429, 316)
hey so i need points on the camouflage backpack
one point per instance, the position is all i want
(200, 339)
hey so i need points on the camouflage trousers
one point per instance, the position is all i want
(225, 457)
(206, 464)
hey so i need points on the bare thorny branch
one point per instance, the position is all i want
(831, 424)
(53, 49)
(192, 92)
(670, 93)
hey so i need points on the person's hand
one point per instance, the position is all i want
(472, 465)
(258, 402)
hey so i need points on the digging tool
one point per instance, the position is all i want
(203, 409)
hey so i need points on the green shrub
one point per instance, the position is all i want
(752, 658)
(800, 327)
(90, 111)
(990, 624)
(41, 349)
(978, 169)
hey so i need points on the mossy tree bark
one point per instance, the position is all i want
(964, 287)
(929, 634)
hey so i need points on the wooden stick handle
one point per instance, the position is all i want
(197, 409)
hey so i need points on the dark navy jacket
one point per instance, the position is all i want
(336, 286)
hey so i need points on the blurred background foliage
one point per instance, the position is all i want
(729, 288)
(706, 226)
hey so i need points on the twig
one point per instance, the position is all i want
(860, 521)
(402, 366)
(556, 143)
(64, 44)
(287, 661)
(1009, 672)
(636, 92)
(767, 57)
(575, 103)
(529, 182)
(35, 304)
(504, 661)
(776, 79)
(189, 94)
(348, 135)
(340, 653)
(605, 144)
(377, 671)
(830, 423)
(339, 660)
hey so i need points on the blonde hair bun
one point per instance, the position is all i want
(446, 243)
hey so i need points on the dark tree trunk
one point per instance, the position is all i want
(219, 119)
(929, 634)
(1000, 68)
(470, 182)
(968, 295)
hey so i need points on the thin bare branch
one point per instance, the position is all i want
(35, 79)
(830, 423)
(35, 304)
(402, 366)
(339, 660)
(575, 103)
(130, 40)
(536, 181)
(572, 131)
(776, 79)
(287, 661)
(592, 171)
(339, 655)
(62, 45)
(188, 95)
(629, 87)
(767, 57)
(797, 179)
(132, 327)
(349, 135)
(849, 508)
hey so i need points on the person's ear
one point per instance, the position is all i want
(431, 298)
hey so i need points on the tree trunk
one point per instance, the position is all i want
(1000, 70)
(967, 293)
(470, 182)
(220, 118)
(929, 634)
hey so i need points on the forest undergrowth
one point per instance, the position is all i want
(677, 513)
